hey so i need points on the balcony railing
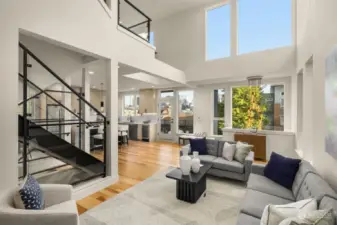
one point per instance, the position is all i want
(134, 20)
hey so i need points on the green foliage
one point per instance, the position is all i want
(248, 108)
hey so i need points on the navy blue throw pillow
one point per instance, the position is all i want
(199, 145)
(282, 170)
(29, 195)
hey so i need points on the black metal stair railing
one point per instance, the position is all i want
(134, 20)
(50, 135)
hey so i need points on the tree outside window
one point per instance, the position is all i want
(219, 111)
(259, 108)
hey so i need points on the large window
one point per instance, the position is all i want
(260, 108)
(185, 117)
(218, 32)
(218, 111)
(264, 24)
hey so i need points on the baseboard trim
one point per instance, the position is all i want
(92, 187)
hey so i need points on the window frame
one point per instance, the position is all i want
(218, 5)
(234, 24)
(285, 81)
(178, 110)
(213, 118)
(135, 105)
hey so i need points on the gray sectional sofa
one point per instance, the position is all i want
(261, 191)
(222, 167)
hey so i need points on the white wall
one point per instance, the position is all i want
(180, 41)
(319, 42)
(83, 25)
(137, 53)
(305, 20)
(203, 109)
(63, 62)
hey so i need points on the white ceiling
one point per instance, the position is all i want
(157, 9)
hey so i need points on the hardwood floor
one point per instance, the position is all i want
(136, 162)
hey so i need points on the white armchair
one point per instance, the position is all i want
(59, 208)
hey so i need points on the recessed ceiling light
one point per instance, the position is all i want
(91, 72)
(132, 88)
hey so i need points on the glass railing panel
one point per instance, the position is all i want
(134, 19)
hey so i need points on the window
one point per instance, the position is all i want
(185, 117)
(218, 32)
(260, 108)
(167, 94)
(218, 111)
(264, 24)
(151, 38)
(131, 105)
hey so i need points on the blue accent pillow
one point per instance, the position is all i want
(198, 145)
(282, 170)
(29, 195)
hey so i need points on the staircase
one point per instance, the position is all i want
(51, 134)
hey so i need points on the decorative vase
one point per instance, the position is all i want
(195, 162)
(185, 162)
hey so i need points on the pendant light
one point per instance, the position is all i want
(254, 81)
(102, 102)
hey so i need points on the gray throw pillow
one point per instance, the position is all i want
(242, 151)
(228, 151)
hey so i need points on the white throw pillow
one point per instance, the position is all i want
(228, 151)
(275, 214)
(319, 217)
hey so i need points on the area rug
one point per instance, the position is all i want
(153, 202)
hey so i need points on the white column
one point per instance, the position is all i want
(308, 108)
(112, 117)
(86, 109)
(228, 106)
(234, 27)
(67, 114)
(9, 84)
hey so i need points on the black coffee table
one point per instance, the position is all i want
(189, 188)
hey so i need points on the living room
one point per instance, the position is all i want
(240, 129)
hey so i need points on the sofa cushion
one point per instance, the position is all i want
(275, 214)
(265, 185)
(317, 217)
(223, 164)
(29, 195)
(212, 147)
(221, 144)
(245, 219)
(282, 170)
(228, 151)
(314, 186)
(328, 202)
(303, 170)
(242, 151)
(207, 158)
(198, 145)
(255, 202)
